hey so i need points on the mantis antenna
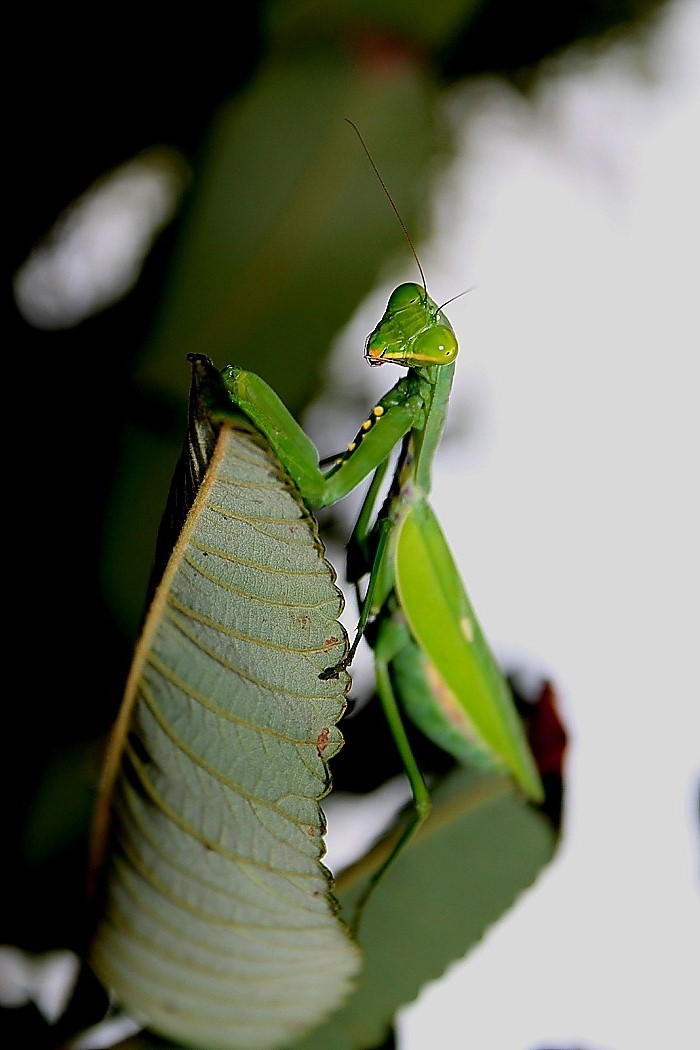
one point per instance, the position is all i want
(457, 296)
(390, 199)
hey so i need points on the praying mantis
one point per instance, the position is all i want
(432, 662)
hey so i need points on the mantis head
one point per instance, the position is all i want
(413, 332)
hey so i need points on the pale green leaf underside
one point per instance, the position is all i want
(219, 929)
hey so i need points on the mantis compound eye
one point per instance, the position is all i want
(435, 346)
(406, 295)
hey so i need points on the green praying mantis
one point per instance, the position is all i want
(432, 662)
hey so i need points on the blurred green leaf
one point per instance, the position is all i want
(482, 846)
(287, 224)
(146, 462)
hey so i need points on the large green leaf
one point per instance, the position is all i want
(450, 636)
(218, 927)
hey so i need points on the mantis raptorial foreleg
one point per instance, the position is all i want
(393, 416)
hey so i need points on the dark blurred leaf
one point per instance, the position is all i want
(62, 808)
(513, 39)
(423, 25)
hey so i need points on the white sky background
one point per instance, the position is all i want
(569, 493)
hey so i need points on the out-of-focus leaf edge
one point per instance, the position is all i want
(482, 846)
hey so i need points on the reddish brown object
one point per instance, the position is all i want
(545, 731)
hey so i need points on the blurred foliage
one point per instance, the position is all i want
(432, 899)
(282, 232)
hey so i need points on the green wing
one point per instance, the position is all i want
(218, 927)
(471, 691)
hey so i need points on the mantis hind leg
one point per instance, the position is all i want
(385, 649)
(377, 588)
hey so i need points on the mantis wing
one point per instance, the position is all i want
(470, 694)
(218, 928)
